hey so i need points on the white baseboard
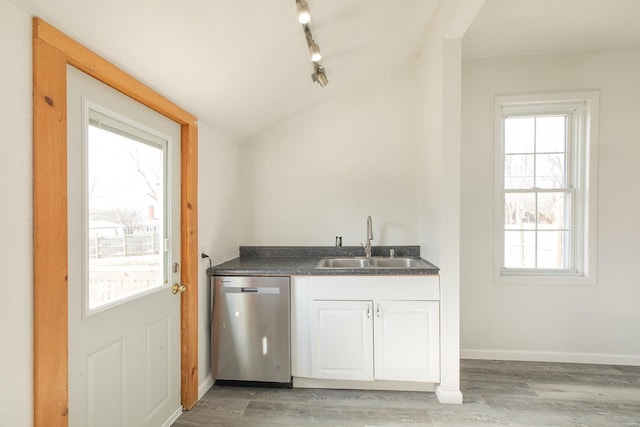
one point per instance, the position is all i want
(205, 386)
(300, 382)
(551, 356)
(173, 417)
(449, 396)
(202, 389)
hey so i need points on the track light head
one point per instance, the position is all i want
(304, 15)
(314, 50)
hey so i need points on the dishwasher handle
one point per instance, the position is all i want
(250, 290)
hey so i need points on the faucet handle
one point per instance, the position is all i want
(367, 249)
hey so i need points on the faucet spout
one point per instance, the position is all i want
(367, 247)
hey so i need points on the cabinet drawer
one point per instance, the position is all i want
(389, 288)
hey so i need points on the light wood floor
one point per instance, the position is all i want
(495, 393)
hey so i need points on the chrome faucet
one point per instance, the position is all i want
(367, 247)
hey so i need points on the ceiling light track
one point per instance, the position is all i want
(304, 17)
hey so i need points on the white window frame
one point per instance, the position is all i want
(583, 161)
(102, 116)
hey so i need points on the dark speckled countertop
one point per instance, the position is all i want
(302, 260)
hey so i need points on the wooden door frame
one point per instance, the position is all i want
(52, 51)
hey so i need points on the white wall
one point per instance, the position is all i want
(16, 219)
(576, 323)
(218, 224)
(319, 175)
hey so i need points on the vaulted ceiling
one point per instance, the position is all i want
(243, 67)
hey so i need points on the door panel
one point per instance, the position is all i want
(124, 355)
(342, 340)
(105, 380)
(158, 367)
(407, 340)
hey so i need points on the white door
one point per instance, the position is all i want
(342, 340)
(123, 198)
(407, 340)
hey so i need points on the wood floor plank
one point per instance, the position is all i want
(587, 393)
(347, 415)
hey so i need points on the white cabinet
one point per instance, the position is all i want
(376, 332)
(407, 340)
(375, 340)
(342, 340)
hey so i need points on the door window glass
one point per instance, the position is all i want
(125, 224)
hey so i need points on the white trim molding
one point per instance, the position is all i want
(301, 382)
(173, 417)
(453, 397)
(581, 183)
(552, 356)
(205, 386)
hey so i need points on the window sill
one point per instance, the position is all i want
(543, 279)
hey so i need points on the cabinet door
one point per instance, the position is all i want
(342, 340)
(407, 340)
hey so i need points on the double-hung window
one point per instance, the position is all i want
(545, 188)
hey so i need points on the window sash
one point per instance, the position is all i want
(568, 254)
(572, 112)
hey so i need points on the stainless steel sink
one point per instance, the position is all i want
(368, 263)
(344, 263)
(396, 262)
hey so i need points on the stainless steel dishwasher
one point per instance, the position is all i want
(251, 329)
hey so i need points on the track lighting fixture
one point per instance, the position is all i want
(304, 17)
(314, 49)
(319, 76)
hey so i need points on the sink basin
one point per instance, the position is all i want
(344, 263)
(369, 263)
(396, 262)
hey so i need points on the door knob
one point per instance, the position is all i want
(178, 288)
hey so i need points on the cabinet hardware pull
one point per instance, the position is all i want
(368, 312)
(377, 310)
